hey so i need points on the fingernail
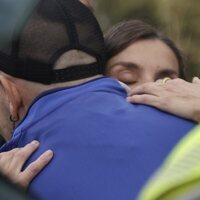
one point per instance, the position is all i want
(49, 153)
(35, 142)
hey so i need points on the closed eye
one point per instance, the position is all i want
(126, 72)
(166, 73)
(128, 77)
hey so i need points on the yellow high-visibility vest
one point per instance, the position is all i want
(179, 176)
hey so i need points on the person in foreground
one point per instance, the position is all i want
(9, 191)
(179, 175)
(54, 92)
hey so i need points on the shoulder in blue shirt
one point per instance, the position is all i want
(105, 148)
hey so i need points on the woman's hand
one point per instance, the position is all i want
(175, 96)
(11, 164)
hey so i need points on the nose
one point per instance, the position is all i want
(146, 78)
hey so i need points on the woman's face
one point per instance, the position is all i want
(143, 61)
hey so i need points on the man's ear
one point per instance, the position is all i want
(12, 94)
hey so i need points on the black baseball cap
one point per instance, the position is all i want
(35, 33)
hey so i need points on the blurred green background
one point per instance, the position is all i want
(179, 19)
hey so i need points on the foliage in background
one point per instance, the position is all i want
(180, 19)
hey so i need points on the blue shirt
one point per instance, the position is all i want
(105, 148)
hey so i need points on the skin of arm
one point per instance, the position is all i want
(176, 96)
(11, 164)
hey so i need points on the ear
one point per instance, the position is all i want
(12, 94)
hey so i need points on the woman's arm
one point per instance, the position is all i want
(175, 96)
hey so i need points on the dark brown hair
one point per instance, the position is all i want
(123, 34)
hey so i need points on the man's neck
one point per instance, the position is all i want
(36, 89)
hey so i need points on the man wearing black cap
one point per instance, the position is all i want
(53, 91)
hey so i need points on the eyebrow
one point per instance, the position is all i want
(125, 64)
(168, 72)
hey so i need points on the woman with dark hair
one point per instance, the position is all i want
(144, 59)
(137, 51)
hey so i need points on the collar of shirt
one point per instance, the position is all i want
(126, 87)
